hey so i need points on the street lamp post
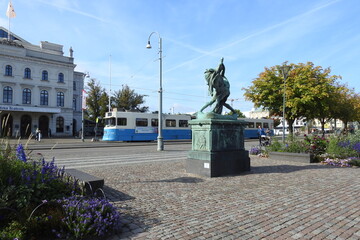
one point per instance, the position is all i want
(285, 71)
(160, 143)
(83, 107)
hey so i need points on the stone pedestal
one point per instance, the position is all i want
(217, 148)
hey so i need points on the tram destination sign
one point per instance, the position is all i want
(29, 109)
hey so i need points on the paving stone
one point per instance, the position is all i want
(276, 200)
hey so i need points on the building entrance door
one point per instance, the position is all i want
(25, 126)
(44, 126)
(6, 125)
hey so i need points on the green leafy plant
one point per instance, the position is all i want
(30, 207)
(15, 230)
(355, 162)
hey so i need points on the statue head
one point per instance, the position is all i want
(208, 73)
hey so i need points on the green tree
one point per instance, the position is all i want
(97, 100)
(347, 107)
(314, 90)
(238, 112)
(307, 89)
(127, 99)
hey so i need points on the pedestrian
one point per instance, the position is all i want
(38, 135)
(261, 133)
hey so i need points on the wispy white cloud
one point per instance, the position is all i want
(268, 29)
(71, 7)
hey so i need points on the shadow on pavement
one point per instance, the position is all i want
(115, 195)
(132, 221)
(285, 168)
(180, 180)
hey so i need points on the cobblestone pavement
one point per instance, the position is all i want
(276, 200)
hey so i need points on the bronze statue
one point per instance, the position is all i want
(219, 88)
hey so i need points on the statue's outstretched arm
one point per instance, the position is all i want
(221, 68)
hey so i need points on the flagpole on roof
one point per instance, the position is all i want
(9, 30)
(10, 13)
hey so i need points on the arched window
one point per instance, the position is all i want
(8, 70)
(7, 94)
(27, 73)
(61, 77)
(59, 124)
(60, 99)
(45, 75)
(44, 97)
(26, 96)
(74, 104)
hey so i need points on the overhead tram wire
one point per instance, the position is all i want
(155, 90)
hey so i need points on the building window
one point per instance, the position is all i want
(74, 86)
(27, 73)
(7, 95)
(26, 96)
(44, 97)
(8, 70)
(60, 99)
(59, 124)
(61, 77)
(45, 75)
(74, 104)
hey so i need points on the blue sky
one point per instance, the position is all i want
(249, 34)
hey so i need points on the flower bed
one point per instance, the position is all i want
(341, 151)
(39, 201)
(337, 162)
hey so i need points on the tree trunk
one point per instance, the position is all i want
(323, 126)
(290, 125)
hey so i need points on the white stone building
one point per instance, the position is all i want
(39, 89)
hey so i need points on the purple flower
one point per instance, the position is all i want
(20, 153)
(356, 147)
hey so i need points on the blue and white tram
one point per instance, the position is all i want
(135, 126)
(251, 130)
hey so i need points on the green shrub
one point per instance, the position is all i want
(355, 162)
(275, 146)
(14, 230)
(338, 147)
(30, 207)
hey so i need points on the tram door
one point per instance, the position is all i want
(44, 126)
(6, 125)
(25, 126)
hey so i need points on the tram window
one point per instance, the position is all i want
(154, 122)
(110, 121)
(170, 122)
(121, 121)
(258, 124)
(251, 125)
(141, 122)
(266, 125)
(183, 123)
